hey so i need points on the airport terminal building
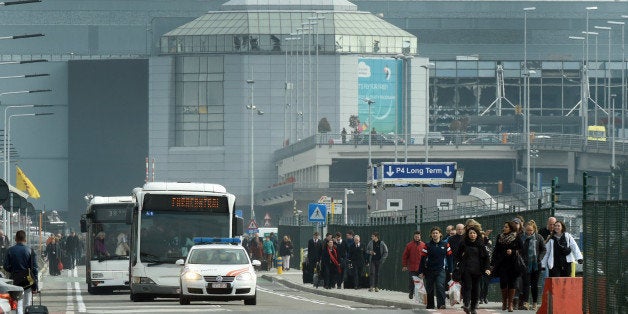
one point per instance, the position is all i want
(171, 82)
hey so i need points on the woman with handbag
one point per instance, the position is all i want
(562, 250)
(285, 251)
(533, 252)
(474, 261)
(504, 263)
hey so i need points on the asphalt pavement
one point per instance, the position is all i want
(388, 298)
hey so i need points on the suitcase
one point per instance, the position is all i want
(307, 273)
(36, 309)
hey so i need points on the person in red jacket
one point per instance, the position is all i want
(411, 259)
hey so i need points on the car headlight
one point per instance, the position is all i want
(245, 276)
(190, 275)
(97, 275)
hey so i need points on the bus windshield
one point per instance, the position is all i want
(109, 231)
(166, 236)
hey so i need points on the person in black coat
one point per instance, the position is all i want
(357, 251)
(330, 265)
(504, 263)
(532, 253)
(314, 250)
(474, 261)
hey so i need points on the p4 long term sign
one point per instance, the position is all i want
(417, 172)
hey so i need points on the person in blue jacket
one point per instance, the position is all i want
(436, 262)
(18, 260)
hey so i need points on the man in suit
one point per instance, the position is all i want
(314, 250)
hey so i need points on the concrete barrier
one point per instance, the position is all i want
(562, 295)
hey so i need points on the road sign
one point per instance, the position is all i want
(317, 212)
(253, 225)
(418, 173)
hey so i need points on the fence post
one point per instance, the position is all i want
(584, 186)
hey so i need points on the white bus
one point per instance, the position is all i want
(168, 215)
(107, 243)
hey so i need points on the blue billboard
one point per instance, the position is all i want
(380, 83)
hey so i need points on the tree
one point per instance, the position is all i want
(354, 122)
(323, 126)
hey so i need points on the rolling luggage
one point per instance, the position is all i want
(36, 309)
(308, 276)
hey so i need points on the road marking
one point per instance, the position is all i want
(70, 304)
(79, 298)
(300, 298)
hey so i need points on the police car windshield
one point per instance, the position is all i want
(218, 256)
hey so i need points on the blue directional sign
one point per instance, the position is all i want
(317, 212)
(419, 172)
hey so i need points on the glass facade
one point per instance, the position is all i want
(199, 104)
(459, 89)
(267, 31)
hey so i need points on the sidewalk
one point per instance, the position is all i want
(387, 298)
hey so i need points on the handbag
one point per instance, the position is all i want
(60, 266)
(522, 268)
(365, 270)
(456, 275)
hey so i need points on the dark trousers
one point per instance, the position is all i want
(331, 276)
(470, 289)
(411, 281)
(531, 282)
(435, 284)
(374, 272)
(560, 269)
(484, 282)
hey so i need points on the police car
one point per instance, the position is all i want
(218, 269)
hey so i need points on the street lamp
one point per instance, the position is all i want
(23, 76)
(287, 120)
(254, 111)
(587, 37)
(526, 96)
(607, 73)
(405, 118)
(612, 113)
(427, 108)
(584, 100)
(370, 130)
(5, 3)
(623, 71)
(22, 36)
(597, 67)
(5, 150)
(346, 209)
(8, 133)
(316, 18)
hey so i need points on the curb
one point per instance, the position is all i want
(330, 293)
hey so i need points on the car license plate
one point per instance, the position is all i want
(220, 285)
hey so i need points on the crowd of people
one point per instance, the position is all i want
(519, 256)
(62, 252)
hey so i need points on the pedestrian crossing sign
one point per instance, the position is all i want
(317, 212)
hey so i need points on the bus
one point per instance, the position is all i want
(167, 216)
(596, 133)
(107, 243)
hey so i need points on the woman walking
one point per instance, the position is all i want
(504, 263)
(330, 264)
(562, 250)
(533, 252)
(437, 260)
(285, 251)
(474, 261)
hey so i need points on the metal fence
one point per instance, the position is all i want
(605, 249)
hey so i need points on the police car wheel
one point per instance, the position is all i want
(183, 300)
(251, 301)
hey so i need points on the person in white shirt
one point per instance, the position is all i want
(562, 250)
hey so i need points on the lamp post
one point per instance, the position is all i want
(309, 27)
(623, 72)
(253, 110)
(597, 67)
(346, 209)
(587, 35)
(8, 138)
(612, 114)
(427, 108)
(369, 102)
(405, 118)
(607, 71)
(316, 18)
(526, 96)
(583, 90)
(287, 123)
(5, 141)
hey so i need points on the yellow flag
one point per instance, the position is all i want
(24, 184)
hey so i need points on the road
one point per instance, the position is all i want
(68, 294)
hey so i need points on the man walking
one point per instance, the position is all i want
(18, 261)
(411, 259)
(378, 252)
(72, 246)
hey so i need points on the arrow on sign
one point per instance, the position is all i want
(448, 172)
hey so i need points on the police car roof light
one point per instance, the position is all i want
(209, 240)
